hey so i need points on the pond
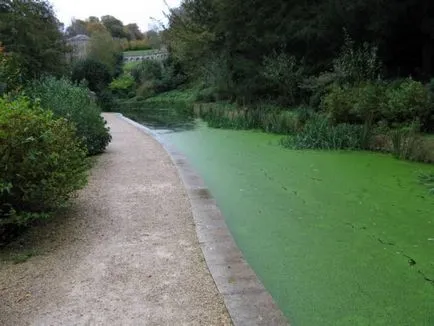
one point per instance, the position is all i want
(338, 238)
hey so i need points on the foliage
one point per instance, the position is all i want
(216, 78)
(104, 49)
(43, 163)
(74, 103)
(122, 85)
(96, 74)
(406, 101)
(355, 65)
(243, 33)
(105, 100)
(284, 74)
(146, 71)
(10, 74)
(30, 33)
(338, 103)
(154, 77)
(356, 104)
(133, 32)
(318, 133)
(114, 26)
(396, 103)
(138, 45)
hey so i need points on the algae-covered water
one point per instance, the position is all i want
(338, 238)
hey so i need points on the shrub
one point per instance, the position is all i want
(339, 103)
(42, 163)
(206, 95)
(74, 103)
(122, 85)
(105, 100)
(396, 103)
(146, 90)
(369, 101)
(319, 133)
(147, 71)
(94, 72)
(406, 101)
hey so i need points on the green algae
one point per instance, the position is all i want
(338, 238)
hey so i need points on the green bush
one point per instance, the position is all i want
(339, 104)
(147, 71)
(42, 163)
(94, 72)
(406, 101)
(369, 101)
(74, 103)
(397, 103)
(356, 104)
(122, 85)
(319, 133)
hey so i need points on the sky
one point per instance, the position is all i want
(128, 11)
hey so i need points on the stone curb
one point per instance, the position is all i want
(247, 300)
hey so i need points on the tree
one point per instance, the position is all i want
(235, 36)
(114, 26)
(94, 72)
(77, 27)
(133, 32)
(30, 33)
(105, 49)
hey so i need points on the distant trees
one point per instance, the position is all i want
(130, 36)
(114, 26)
(239, 34)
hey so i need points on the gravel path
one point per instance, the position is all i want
(126, 253)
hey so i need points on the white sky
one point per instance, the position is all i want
(128, 11)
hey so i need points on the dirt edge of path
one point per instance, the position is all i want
(247, 300)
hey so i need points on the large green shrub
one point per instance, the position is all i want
(96, 73)
(407, 101)
(122, 85)
(147, 71)
(74, 103)
(397, 103)
(339, 103)
(42, 162)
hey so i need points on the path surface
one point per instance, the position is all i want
(125, 254)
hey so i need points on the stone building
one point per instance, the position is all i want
(79, 45)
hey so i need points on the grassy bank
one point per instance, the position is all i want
(301, 127)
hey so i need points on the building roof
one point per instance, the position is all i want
(80, 37)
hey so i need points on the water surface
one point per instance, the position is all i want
(338, 238)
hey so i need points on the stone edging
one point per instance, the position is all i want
(246, 299)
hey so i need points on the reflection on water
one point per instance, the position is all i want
(162, 120)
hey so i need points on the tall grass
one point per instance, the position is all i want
(319, 133)
(224, 115)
